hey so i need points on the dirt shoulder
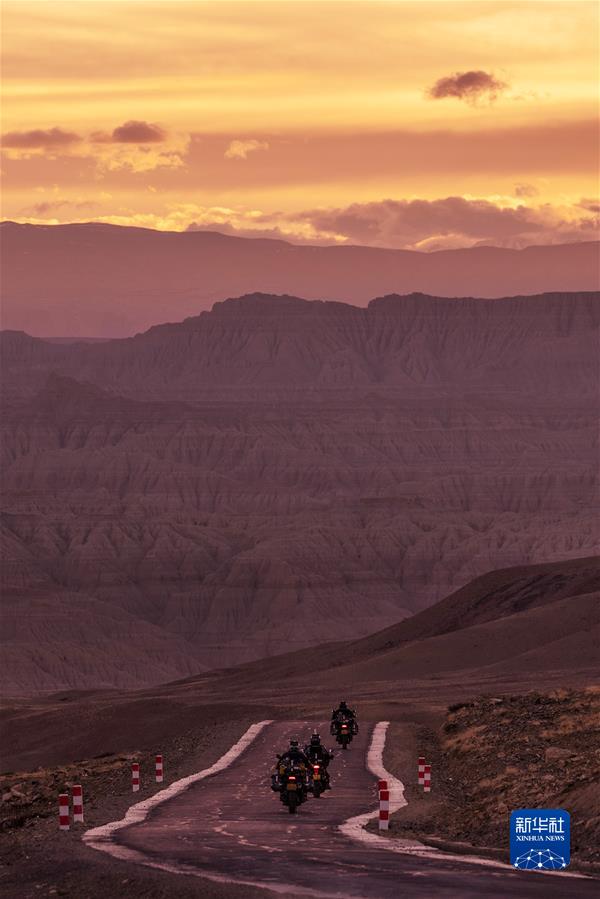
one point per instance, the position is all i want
(37, 860)
(495, 754)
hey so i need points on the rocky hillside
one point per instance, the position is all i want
(497, 754)
(280, 347)
(277, 473)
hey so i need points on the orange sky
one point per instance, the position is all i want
(312, 120)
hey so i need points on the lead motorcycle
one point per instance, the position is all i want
(291, 784)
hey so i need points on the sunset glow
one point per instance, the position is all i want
(398, 124)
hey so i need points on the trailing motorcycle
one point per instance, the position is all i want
(319, 780)
(343, 730)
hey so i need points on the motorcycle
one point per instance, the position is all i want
(343, 730)
(319, 780)
(291, 785)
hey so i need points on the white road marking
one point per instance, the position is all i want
(355, 827)
(97, 836)
(103, 838)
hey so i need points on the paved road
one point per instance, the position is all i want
(232, 825)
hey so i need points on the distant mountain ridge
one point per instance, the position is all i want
(108, 281)
(262, 345)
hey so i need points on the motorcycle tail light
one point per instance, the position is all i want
(291, 777)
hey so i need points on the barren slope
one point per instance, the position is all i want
(383, 673)
(506, 625)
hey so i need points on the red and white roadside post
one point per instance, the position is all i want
(384, 805)
(421, 771)
(159, 769)
(64, 817)
(78, 804)
(427, 779)
(135, 777)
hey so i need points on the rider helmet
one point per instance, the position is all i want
(293, 744)
(315, 739)
(343, 704)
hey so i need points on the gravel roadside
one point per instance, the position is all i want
(495, 754)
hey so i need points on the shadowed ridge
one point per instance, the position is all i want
(63, 398)
(492, 605)
(496, 594)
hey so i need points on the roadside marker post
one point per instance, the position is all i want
(384, 809)
(64, 818)
(78, 804)
(421, 771)
(427, 779)
(382, 785)
(159, 769)
(135, 777)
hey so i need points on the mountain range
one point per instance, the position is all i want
(103, 280)
(277, 473)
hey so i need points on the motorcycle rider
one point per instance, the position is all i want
(317, 754)
(342, 712)
(292, 756)
(295, 755)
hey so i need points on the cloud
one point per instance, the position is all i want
(402, 222)
(285, 232)
(449, 222)
(470, 86)
(589, 205)
(132, 132)
(137, 147)
(415, 224)
(526, 190)
(426, 225)
(39, 138)
(239, 149)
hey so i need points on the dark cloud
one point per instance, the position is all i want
(470, 86)
(526, 190)
(452, 221)
(419, 224)
(39, 138)
(408, 221)
(132, 132)
(138, 133)
(590, 205)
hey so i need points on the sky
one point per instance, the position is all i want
(422, 125)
